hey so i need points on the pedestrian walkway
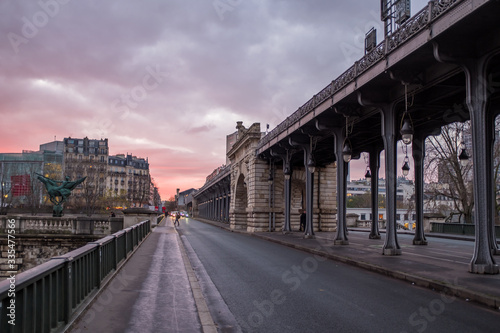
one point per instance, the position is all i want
(155, 291)
(442, 265)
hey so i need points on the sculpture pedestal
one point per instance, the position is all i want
(57, 211)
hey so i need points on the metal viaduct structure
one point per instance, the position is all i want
(446, 59)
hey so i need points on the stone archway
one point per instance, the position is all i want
(240, 204)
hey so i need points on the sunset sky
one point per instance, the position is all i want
(168, 79)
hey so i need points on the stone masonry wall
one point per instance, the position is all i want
(31, 250)
(326, 201)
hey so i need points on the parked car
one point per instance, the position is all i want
(184, 213)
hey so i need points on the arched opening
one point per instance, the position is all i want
(239, 220)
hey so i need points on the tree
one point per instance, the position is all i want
(364, 201)
(442, 165)
(93, 187)
(112, 199)
(34, 194)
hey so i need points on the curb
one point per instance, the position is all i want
(206, 320)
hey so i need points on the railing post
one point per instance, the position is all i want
(125, 235)
(69, 290)
(115, 247)
(99, 266)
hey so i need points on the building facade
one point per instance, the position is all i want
(129, 176)
(86, 158)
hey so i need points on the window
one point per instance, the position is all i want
(80, 142)
(380, 216)
(363, 217)
(102, 159)
(398, 217)
(406, 217)
(79, 157)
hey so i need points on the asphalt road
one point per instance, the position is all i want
(254, 285)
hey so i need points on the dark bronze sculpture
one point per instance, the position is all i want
(59, 191)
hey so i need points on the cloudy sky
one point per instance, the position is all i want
(168, 79)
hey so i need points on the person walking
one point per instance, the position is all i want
(303, 221)
(177, 217)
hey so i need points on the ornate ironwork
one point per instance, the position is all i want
(406, 31)
(223, 172)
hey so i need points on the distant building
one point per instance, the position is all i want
(86, 158)
(404, 192)
(124, 175)
(185, 199)
(18, 183)
(129, 175)
(53, 159)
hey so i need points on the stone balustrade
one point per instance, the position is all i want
(63, 225)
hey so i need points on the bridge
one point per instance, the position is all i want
(445, 58)
(444, 61)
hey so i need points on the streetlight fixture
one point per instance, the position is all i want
(406, 164)
(368, 174)
(311, 164)
(406, 123)
(463, 157)
(347, 149)
(406, 167)
(287, 170)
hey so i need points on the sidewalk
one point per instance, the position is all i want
(442, 265)
(155, 291)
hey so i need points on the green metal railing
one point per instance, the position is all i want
(458, 229)
(44, 298)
